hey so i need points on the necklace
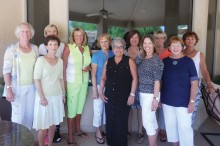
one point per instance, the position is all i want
(175, 62)
(189, 52)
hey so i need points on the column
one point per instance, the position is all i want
(217, 42)
(200, 21)
(59, 15)
(199, 25)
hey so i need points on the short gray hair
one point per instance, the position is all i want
(118, 40)
(17, 29)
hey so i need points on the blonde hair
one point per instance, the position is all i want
(17, 29)
(85, 40)
(160, 33)
(104, 35)
(48, 27)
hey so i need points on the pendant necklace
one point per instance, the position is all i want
(175, 62)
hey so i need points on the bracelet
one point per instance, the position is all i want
(156, 98)
(209, 82)
(193, 101)
(9, 86)
(132, 94)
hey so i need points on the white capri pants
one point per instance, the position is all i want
(148, 116)
(99, 111)
(178, 125)
(23, 106)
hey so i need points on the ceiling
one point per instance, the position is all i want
(133, 12)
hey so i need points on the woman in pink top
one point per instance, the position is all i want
(160, 38)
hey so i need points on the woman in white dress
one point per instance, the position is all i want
(50, 95)
(190, 40)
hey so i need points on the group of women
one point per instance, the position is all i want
(37, 87)
(121, 79)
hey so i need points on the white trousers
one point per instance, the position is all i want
(148, 116)
(23, 106)
(178, 125)
(99, 111)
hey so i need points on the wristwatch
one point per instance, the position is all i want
(9, 86)
(192, 101)
(156, 98)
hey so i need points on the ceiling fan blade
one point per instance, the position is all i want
(94, 14)
(105, 16)
(110, 13)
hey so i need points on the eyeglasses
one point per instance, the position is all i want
(118, 47)
(160, 38)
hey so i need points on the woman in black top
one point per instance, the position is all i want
(120, 80)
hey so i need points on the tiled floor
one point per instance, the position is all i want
(209, 126)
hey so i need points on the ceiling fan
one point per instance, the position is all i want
(103, 12)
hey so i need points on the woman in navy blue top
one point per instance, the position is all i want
(178, 93)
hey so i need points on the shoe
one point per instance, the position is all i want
(82, 134)
(100, 140)
(139, 138)
(57, 138)
(162, 136)
(72, 143)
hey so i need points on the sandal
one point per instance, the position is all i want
(82, 134)
(99, 140)
(162, 136)
(139, 138)
(72, 143)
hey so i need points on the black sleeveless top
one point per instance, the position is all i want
(118, 81)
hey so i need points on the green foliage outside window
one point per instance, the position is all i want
(83, 25)
(114, 31)
(148, 30)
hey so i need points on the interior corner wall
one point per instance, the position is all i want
(38, 17)
(12, 12)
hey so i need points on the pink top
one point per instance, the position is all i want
(165, 54)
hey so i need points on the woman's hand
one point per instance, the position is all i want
(130, 100)
(10, 95)
(155, 104)
(64, 98)
(104, 98)
(86, 69)
(43, 101)
(210, 89)
(191, 107)
(95, 94)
